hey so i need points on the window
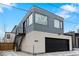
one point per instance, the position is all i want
(25, 24)
(56, 23)
(30, 19)
(8, 36)
(40, 19)
(61, 24)
(27, 21)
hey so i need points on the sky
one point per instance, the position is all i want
(10, 16)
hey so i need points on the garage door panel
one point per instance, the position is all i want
(53, 44)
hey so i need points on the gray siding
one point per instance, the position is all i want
(50, 26)
(38, 27)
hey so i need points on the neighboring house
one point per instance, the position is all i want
(7, 42)
(75, 39)
(9, 37)
(41, 31)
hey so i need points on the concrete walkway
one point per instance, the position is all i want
(63, 53)
(13, 53)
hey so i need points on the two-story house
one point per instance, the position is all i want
(41, 31)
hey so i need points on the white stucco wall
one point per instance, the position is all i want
(29, 44)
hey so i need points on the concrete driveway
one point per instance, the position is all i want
(63, 53)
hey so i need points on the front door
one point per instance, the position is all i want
(24, 27)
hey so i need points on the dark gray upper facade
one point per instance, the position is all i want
(49, 27)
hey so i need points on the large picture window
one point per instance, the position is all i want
(40, 19)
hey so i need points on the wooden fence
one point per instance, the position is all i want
(6, 46)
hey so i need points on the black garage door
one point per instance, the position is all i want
(53, 45)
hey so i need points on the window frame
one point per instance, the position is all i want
(8, 36)
(57, 23)
(28, 20)
(61, 24)
(41, 22)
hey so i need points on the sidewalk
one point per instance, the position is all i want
(18, 53)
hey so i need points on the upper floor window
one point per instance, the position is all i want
(56, 23)
(40, 19)
(61, 24)
(30, 19)
(27, 21)
(25, 24)
(8, 36)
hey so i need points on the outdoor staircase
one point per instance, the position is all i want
(18, 40)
